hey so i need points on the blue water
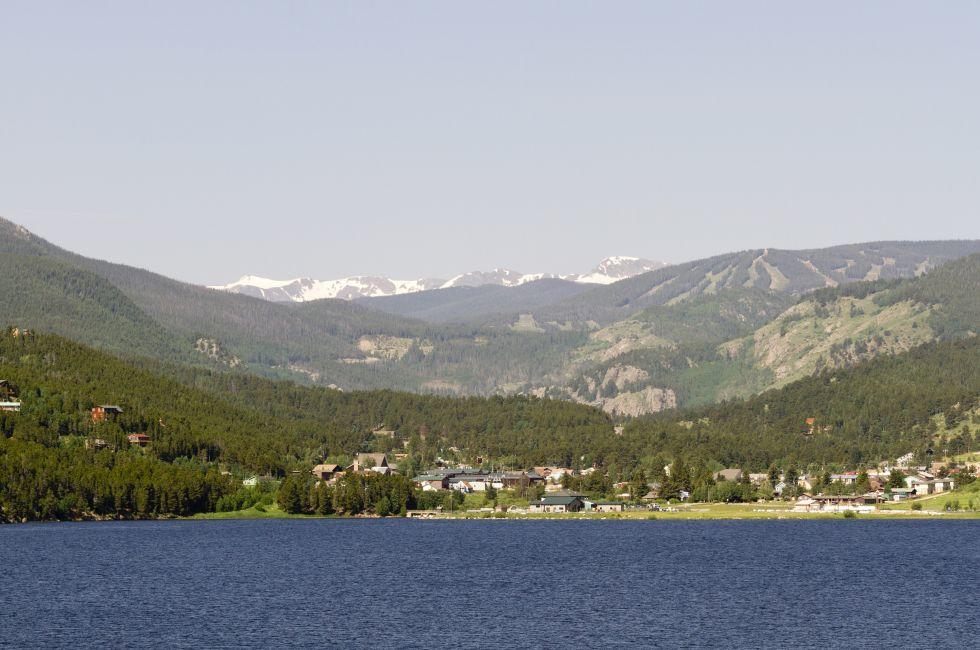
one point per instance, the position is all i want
(477, 584)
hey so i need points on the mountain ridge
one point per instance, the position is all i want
(609, 270)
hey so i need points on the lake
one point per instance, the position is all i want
(476, 584)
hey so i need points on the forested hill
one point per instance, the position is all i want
(55, 462)
(878, 410)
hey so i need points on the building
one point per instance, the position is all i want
(10, 406)
(558, 504)
(730, 474)
(96, 443)
(138, 439)
(923, 486)
(838, 503)
(326, 471)
(253, 481)
(431, 482)
(605, 506)
(365, 462)
(105, 412)
(654, 491)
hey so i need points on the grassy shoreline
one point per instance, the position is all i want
(700, 511)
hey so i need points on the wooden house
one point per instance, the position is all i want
(105, 412)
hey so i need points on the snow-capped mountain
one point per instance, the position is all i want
(608, 271)
(613, 269)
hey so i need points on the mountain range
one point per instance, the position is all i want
(609, 270)
(692, 333)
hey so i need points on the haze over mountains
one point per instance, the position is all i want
(607, 271)
(692, 333)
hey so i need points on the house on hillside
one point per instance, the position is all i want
(10, 406)
(847, 478)
(105, 412)
(138, 439)
(558, 504)
(326, 471)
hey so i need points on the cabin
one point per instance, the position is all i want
(138, 439)
(558, 504)
(382, 432)
(326, 471)
(96, 443)
(105, 412)
(10, 406)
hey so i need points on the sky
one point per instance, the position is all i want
(206, 141)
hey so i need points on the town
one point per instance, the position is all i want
(481, 488)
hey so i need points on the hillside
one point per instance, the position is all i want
(876, 410)
(485, 304)
(55, 462)
(739, 342)
(641, 344)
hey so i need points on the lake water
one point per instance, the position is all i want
(478, 584)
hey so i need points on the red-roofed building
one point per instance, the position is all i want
(138, 439)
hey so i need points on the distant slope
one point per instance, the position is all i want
(877, 410)
(483, 304)
(547, 337)
(736, 343)
(793, 272)
(39, 291)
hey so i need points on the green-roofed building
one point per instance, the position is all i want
(556, 504)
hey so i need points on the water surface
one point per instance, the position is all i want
(476, 584)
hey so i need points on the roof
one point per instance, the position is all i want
(730, 474)
(109, 407)
(557, 501)
(326, 467)
(372, 460)
(425, 478)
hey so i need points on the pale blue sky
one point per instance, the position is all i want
(205, 140)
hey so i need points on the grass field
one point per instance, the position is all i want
(730, 511)
(255, 512)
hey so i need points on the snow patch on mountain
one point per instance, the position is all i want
(609, 270)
